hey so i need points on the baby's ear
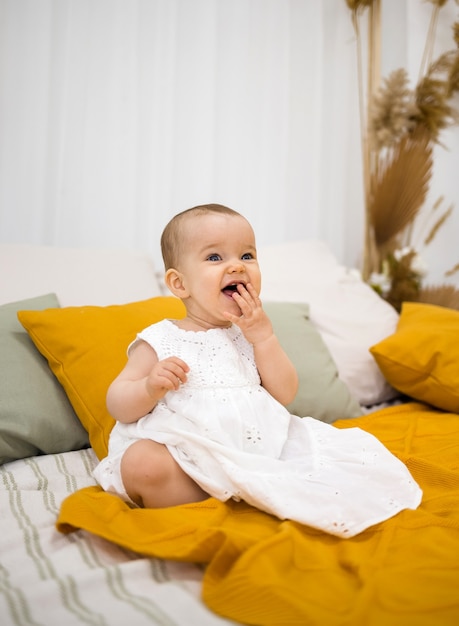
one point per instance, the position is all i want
(175, 283)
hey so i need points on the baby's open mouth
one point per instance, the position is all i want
(230, 289)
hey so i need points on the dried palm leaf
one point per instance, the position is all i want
(408, 239)
(453, 270)
(437, 203)
(400, 188)
(441, 295)
(438, 224)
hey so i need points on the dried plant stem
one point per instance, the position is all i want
(369, 155)
(438, 224)
(408, 235)
(364, 142)
(430, 41)
(425, 63)
(374, 82)
(453, 270)
(374, 48)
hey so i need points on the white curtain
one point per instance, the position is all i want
(116, 114)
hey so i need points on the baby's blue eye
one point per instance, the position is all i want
(247, 256)
(214, 257)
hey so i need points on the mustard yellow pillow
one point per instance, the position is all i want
(86, 348)
(421, 359)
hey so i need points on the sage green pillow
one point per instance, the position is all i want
(35, 414)
(321, 393)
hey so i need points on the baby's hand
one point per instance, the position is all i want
(253, 322)
(166, 375)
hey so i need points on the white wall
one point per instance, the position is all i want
(116, 114)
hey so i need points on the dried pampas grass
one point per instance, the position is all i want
(399, 128)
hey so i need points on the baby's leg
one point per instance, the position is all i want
(153, 479)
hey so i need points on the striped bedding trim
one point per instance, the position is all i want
(48, 579)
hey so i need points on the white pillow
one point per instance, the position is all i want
(77, 276)
(348, 313)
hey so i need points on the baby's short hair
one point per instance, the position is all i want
(173, 234)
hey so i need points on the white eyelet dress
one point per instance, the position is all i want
(236, 441)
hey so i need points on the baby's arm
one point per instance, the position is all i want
(143, 382)
(278, 374)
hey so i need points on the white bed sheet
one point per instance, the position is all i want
(50, 579)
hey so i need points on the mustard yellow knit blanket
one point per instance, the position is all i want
(267, 572)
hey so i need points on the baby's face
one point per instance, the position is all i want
(219, 254)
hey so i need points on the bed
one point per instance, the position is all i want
(72, 554)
